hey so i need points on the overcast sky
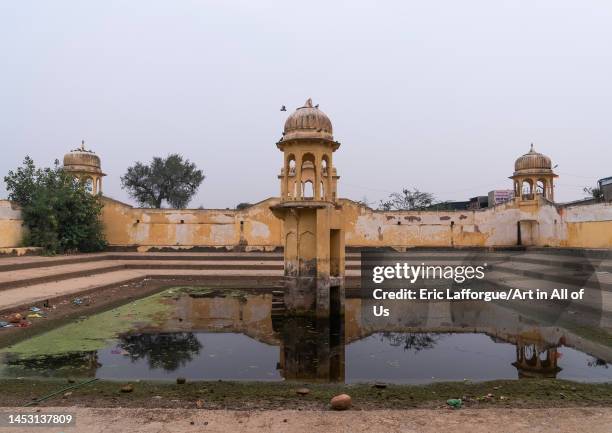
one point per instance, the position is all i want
(438, 95)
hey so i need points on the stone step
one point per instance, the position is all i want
(23, 277)
(593, 279)
(595, 299)
(35, 293)
(27, 262)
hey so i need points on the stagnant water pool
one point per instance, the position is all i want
(202, 334)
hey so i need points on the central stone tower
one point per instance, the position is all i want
(312, 218)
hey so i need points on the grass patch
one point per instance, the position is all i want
(262, 395)
(93, 332)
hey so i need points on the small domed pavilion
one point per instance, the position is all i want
(533, 176)
(85, 166)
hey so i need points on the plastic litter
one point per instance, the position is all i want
(455, 403)
(34, 316)
(4, 324)
(34, 309)
(77, 301)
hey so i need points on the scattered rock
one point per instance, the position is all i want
(127, 388)
(67, 394)
(199, 404)
(285, 420)
(191, 422)
(302, 391)
(341, 402)
(157, 397)
(181, 380)
(380, 385)
(70, 380)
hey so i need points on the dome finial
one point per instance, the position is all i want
(308, 103)
(82, 144)
(532, 149)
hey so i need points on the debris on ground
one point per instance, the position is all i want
(15, 318)
(127, 388)
(341, 402)
(35, 309)
(302, 391)
(455, 403)
(489, 396)
(380, 385)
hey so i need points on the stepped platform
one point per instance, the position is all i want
(28, 280)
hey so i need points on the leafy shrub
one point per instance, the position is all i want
(60, 214)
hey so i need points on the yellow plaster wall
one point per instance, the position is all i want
(11, 229)
(580, 226)
(253, 228)
(593, 234)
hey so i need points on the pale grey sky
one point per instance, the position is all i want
(438, 95)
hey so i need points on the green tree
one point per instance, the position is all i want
(243, 205)
(60, 215)
(407, 200)
(169, 179)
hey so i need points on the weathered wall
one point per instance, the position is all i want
(11, 229)
(256, 228)
(253, 228)
(587, 226)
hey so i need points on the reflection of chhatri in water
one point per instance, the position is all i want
(535, 361)
(315, 349)
(235, 337)
(312, 349)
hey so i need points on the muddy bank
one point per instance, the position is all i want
(265, 396)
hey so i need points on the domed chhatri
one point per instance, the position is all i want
(532, 160)
(311, 215)
(85, 166)
(308, 145)
(533, 176)
(308, 122)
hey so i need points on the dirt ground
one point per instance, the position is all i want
(89, 420)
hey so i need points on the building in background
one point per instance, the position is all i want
(499, 196)
(480, 202)
(605, 186)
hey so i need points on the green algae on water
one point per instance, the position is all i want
(93, 332)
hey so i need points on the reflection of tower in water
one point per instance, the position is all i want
(535, 360)
(311, 349)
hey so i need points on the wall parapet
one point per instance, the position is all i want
(256, 228)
